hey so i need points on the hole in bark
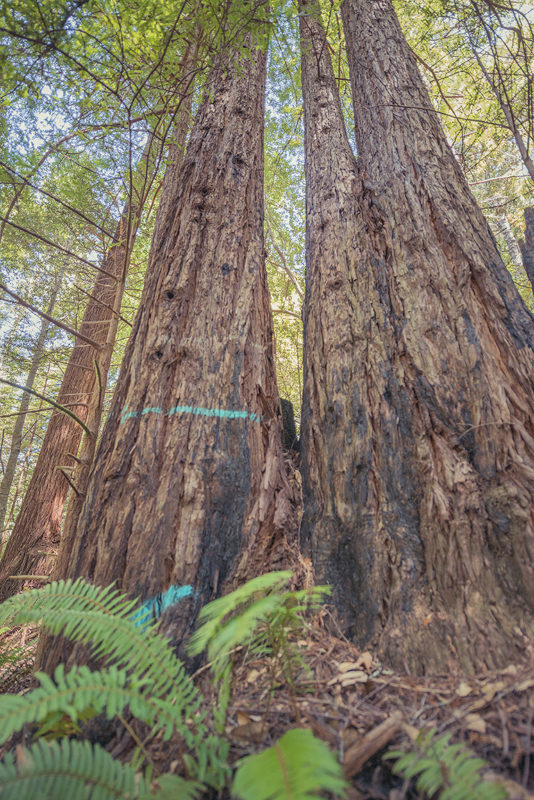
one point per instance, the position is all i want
(170, 295)
(159, 354)
(226, 268)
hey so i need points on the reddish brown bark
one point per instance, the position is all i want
(186, 498)
(94, 415)
(38, 524)
(417, 435)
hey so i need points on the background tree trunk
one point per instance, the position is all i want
(189, 484)
(431, 543)
(505, 229)
(38, 524)
(20, 419)
(527, 246)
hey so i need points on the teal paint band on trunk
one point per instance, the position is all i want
(154, 607)
(221, 413)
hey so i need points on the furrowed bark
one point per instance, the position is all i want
(425, 525)
(94, 416)
(335, 247)
(189, 486)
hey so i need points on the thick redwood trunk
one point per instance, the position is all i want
(188, 487)
(421, 492)
(94, 415)
(335, 238)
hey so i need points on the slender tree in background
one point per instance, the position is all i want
(189, 485)
(422, 521)
(38, 524)
(509, 72)
(18, 428)
(527, 245)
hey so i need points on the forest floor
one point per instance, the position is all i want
(359, 708)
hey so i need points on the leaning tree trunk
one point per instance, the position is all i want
(189, 487)
(38, 524)
(423, 519)
(20, 419)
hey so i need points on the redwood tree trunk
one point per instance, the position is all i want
(189, 484)
(94, 415)
(18, 427)
(38, 524)
(420, 488)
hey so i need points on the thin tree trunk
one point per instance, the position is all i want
(37, 527)
(189, 484)
(502, 97)
(527, 245)
(423, 520)
(20, 419)
(12, 335)
(25, 464)
(507, 233)
(13, 506)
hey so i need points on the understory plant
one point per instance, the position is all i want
(445, 770)
(141, 677)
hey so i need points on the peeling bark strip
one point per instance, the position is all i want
(204, 502)
(420, 480)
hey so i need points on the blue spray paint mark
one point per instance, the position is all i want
(155, 606)
(222, 413)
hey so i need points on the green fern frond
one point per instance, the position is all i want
(450, 769)
(102, 619)
(173, 787)
(106, 691)
(68, 769)
(213, 616)
(298, 767)
(234, 620)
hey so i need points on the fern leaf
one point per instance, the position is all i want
(212, 617)
(104, 620)
(68, 769)
(298, 767)
(105, 691)
(450, 769)
(173, 787)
